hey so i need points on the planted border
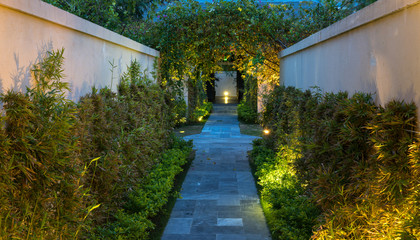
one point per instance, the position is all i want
(357, 161)
(82, 170)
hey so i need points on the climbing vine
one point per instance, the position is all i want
(194, 39)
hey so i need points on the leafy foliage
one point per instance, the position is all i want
(359, 161)
(67, 169)
(146, 199)
(194, 39)
(127, 131)
(289, 211)
(115, 15)
(202, 112)
(247, 108)
(246, 114)
(40, 178)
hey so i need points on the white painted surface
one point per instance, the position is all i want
(227, 82)
(30, 27)
(375, 50)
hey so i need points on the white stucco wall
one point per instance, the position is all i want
(30, 27)
(375, 50)
(227, 82)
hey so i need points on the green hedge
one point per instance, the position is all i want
(69, 170)
(246, 114)
(289, 212)
(146, 200)
(359, 161)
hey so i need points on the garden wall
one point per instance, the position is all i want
(30, 27)
(375, 50)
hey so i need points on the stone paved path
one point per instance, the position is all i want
(219, 199)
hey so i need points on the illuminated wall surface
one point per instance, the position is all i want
(29, 27)
(375, 50)
(226, 83)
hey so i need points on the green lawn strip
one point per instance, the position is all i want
(251, 129)
(188, 130)
(191, 128)
(162, 218)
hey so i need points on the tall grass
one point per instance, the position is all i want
(358, 161)
(67, 169)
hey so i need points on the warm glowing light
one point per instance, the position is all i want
(200, 118)
(266, 131)
(181, 131)
(226, 100)
(226, 93)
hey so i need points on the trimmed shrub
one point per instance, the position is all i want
(147, 198)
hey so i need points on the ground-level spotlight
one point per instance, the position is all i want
(200, 118)
(266, 131)
(226, 93)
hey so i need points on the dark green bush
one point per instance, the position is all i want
(246, 114)
(359, 162)
(147, 198)
(248, 107)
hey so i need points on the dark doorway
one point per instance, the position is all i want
(240, 86)
(211, 89)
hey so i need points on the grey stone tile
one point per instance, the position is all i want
(178, 226)
(217, 230)
(209, 219)
(182, 214)
(229, 200)
(228, 190)
(224, 222)
(199, 196)
(229, 214)
(228, 208)
(230, 237)
(206, 207)
(189, 237)
(208, 187)
(183, 205)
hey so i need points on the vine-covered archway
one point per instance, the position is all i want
(194, 38)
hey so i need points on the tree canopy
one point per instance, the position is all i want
(247, 33)
(115, 15)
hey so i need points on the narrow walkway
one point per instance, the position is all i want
(219, 199)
